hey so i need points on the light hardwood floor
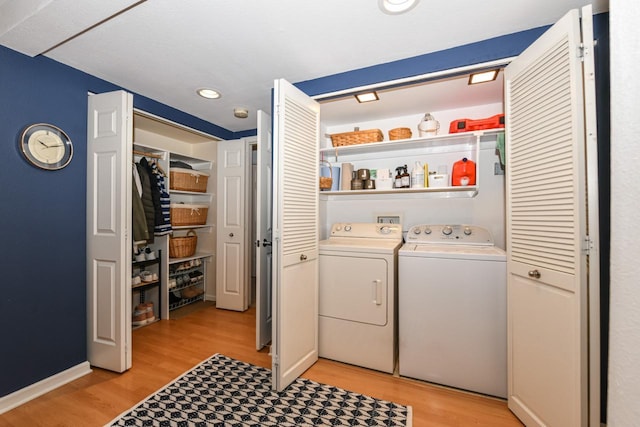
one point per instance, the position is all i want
(164, 350)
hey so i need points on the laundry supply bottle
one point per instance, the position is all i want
(417, 176)
(463, 173)
(397, 182)
(426, 175)
(406, 178)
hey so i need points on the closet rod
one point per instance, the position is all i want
(144, 153)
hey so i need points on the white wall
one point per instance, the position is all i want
(624, 328)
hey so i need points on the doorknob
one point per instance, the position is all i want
(265, 243)
(230, 234)
(303, 257)
(534, 274)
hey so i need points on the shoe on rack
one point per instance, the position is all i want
(149, 311)
(139, 315)
(189, 292)
(149, 254)
(173, 298)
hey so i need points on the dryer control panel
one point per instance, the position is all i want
(366, 230)
(447, 234)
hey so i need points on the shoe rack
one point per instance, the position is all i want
(145, 286)
(186, 282)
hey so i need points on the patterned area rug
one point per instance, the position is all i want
(225, 392)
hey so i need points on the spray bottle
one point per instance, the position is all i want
(406, 178)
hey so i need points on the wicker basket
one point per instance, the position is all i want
(185, 215)
(356, 137)
(188, 180)
(181, 247)
(399, 133)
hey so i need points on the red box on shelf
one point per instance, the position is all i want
(468, 125)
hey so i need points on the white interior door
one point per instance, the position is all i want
(547, 233)
(264, 231)
(295, 234)
(231, 255)
(109, 180)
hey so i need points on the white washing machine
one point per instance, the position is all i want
(358, 277)
(452, 308)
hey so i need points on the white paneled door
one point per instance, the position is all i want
(551, 232)
(295, 233)
(109, 180)
(231, 252)
(264, 231)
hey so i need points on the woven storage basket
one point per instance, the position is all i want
(183, 214)
(188, 180)
(356, 137)
(181, 247)
(399, 133)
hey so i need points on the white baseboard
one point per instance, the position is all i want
(28, 393)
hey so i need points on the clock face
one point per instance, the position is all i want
(46, 146)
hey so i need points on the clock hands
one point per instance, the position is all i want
(49, 146)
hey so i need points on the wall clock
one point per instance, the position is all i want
(46, 146)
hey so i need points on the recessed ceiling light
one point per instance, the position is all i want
(395, 7)
(367, 96)
(483, 77)
(209, 93)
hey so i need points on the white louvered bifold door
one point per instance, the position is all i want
(295, 233)
(546, 228)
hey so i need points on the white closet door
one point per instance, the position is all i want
(231, 266)
(295, 245)
(109, 157)
(264, 236)
(547, 229)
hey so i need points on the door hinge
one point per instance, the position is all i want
(275, 360)
(587, 245)
(581, 51)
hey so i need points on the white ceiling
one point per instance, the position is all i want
(166, 49)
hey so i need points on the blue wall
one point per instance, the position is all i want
(42, 218)
(42, 214)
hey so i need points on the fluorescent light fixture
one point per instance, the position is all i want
(367, 97)
(485, 76)
(396, 7)
(209, 93)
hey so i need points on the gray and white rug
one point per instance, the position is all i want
(225, 392)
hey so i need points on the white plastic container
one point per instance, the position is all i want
(438, 180)
(417, 176)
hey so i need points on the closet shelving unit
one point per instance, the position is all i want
(206, 233)
(142, 287)
(433, 150)
(201, 255)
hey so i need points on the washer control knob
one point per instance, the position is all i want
(427, 230)
(447, 230)
(338, 227)
(347, 227)
(416, 230)
(467, 231)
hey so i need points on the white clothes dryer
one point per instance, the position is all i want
(358, 282)
(452, 308)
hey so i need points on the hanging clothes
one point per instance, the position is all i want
(163, 215)
(138, 219)
(147, 197)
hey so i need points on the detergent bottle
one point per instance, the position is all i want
(417, 176)
(464, 173)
